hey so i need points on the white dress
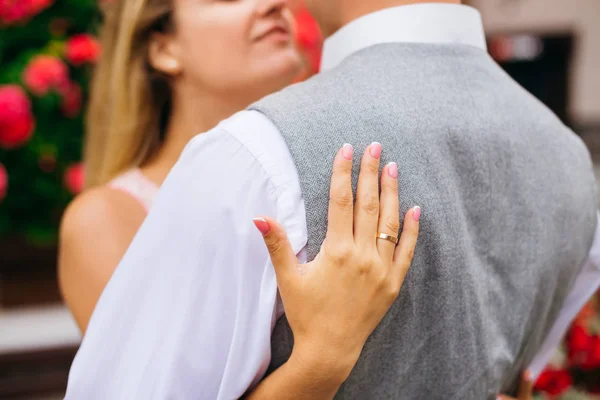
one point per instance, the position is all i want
(137, 185)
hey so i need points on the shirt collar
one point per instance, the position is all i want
(415, 23)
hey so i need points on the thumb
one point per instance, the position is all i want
(526, 387)
(282, 255)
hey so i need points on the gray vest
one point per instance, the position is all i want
(509, 211)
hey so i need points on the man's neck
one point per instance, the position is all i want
(355, 9)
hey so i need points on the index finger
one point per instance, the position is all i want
(341, 203)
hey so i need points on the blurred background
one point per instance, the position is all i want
(48, 49)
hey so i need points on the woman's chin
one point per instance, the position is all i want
(285, 64)
(277, 76)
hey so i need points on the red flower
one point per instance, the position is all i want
(12, 11)
(74, 178)
(37, 6)
(45, 73)
(579, 339)
(592, 359)
(579, 344)
(553, 382)
(16, 119)
(82, 49)
(72, 99)
(3, 182)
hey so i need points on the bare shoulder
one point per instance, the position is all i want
(96, 230)
(101, 211)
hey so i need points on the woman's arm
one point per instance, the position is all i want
(334, 303)
(309, 376)
(95, 232)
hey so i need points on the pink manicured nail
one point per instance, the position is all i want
(417, 213)
(375, 150)
(262, 225)
(527, 376)
(347, 151)
(393, 170)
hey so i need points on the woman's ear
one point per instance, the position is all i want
(162, 55)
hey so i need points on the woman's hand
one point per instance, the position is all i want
(334, 302)
(525, 389)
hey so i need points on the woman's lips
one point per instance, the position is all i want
(277, 33)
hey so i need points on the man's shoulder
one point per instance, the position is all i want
(248, 123)
(258, 153)
(248, 137)
(243, 129)
(255, 132)
(302, 96)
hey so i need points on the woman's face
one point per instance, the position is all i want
(241, 47)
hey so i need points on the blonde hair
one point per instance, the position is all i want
(129, 100)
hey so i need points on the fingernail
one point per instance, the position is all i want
(527, 376)
(347, 151)
(375, 150)
(417, 213)
(393, 170)
(262, 225)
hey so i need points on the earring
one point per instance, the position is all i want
(172, 65)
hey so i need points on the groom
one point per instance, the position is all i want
(502, 266)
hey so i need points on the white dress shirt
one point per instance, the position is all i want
(189, 311)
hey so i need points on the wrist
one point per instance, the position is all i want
(325, 363)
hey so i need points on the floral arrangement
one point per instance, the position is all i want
(574, 371)
(46, 54)
(45, 59)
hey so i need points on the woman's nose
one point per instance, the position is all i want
(267, 7)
